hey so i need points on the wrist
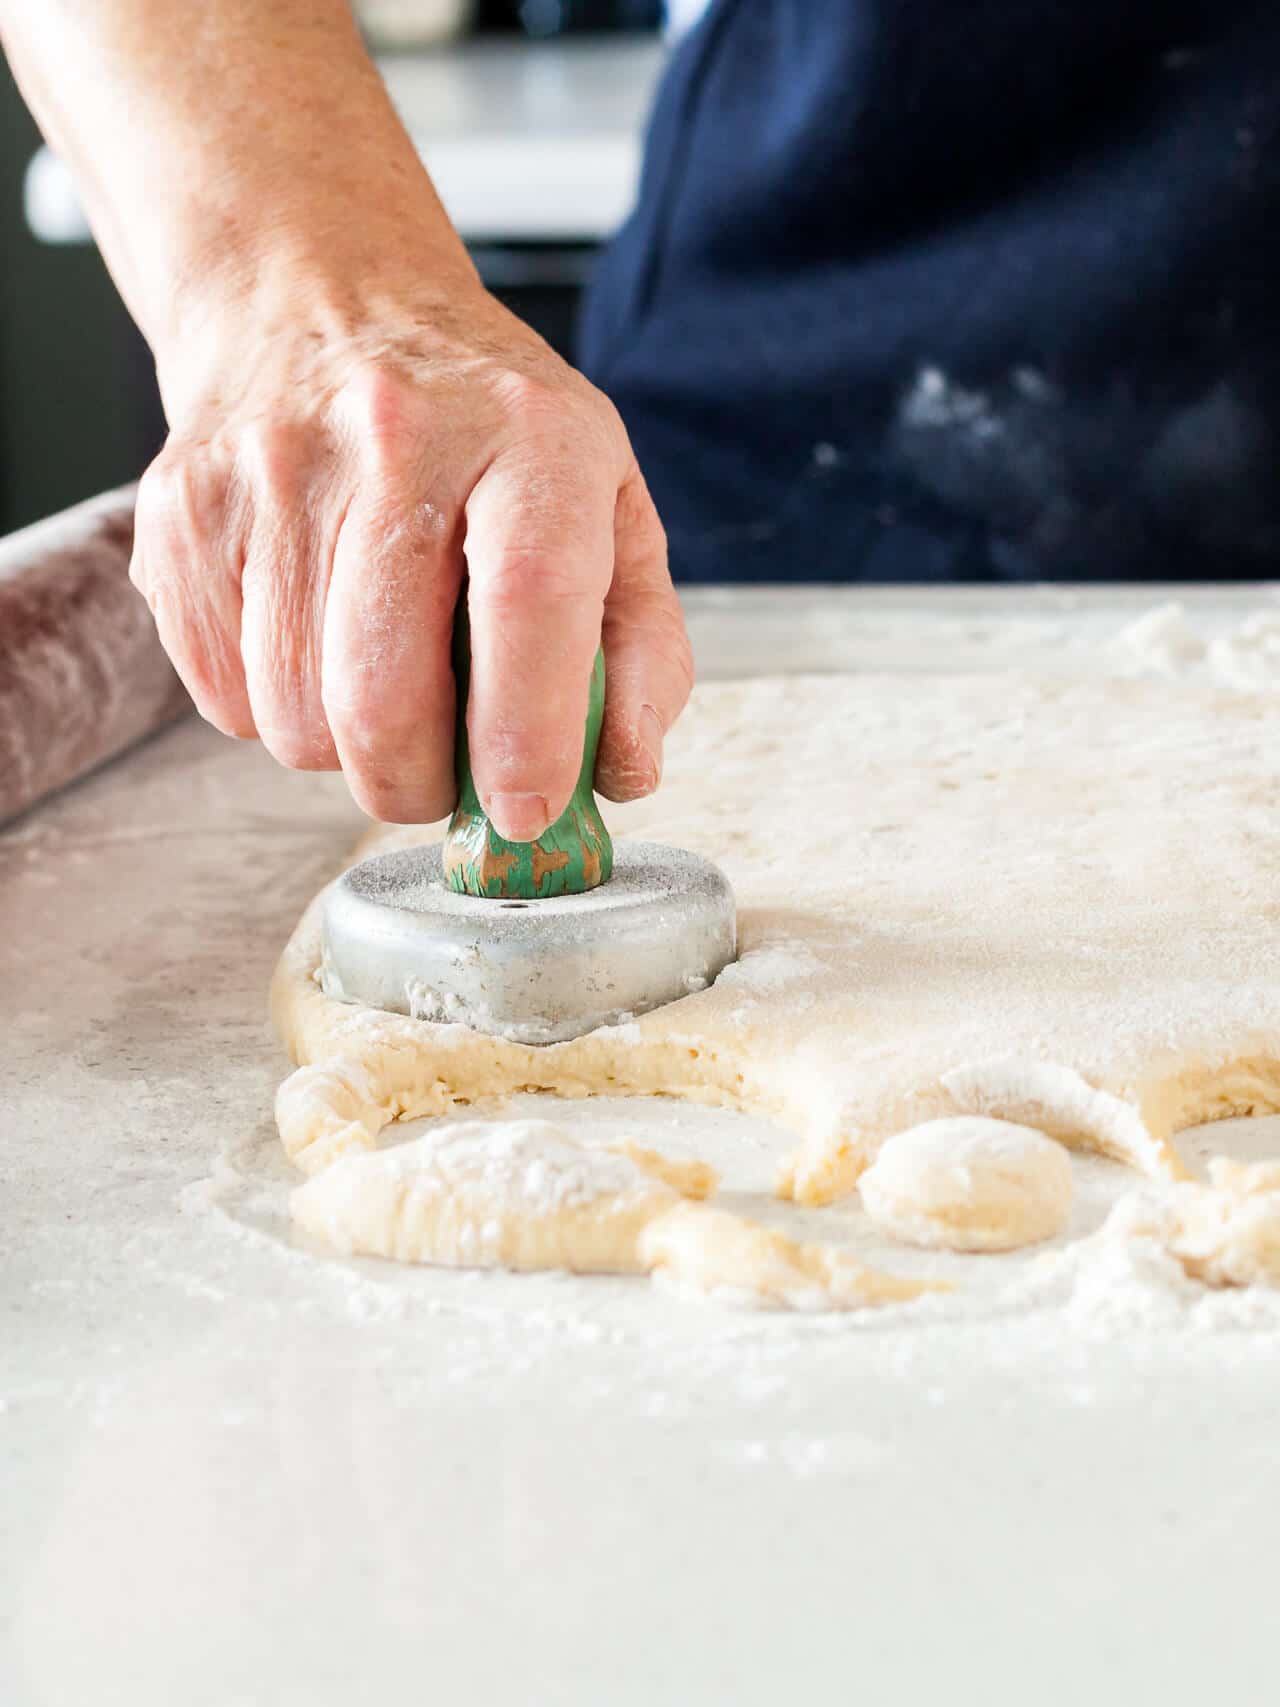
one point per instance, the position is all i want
(324, 266)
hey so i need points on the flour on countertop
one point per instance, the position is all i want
(1050, 1400)
(1250, 658)
(1165, 642)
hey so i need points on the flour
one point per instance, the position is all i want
(780, 966)
(1109, 1286)
(530, 1167)
(1165, 642)
(1160, 642)
(1226, 1233)
(1249, 659)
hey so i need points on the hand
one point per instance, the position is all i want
(335, 456)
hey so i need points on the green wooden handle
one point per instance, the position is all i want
(572, 855)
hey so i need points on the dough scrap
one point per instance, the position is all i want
(1075, 877)
(969, 1184)
(525, 1195)
(516, 1195)
(723, 1256)
(1225, 1233)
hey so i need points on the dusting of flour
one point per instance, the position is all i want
(1165, 642)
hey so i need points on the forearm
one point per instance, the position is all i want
(347, 406)
(226, 147)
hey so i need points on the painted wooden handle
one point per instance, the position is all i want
(574, 854)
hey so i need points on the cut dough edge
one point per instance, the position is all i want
(359, 1070)
(362, 1069)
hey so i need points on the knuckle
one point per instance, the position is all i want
(524, 397)
(167, 504)
(564, 417)
(652, 625)
(182, 517)
(404, 551)
(522, 577)
(656, 534)
(388, 417)
(638, 516)
(274, 457)
(375, 719)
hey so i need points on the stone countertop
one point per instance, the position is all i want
(234, 1471)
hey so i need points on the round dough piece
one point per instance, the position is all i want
(969, 1184)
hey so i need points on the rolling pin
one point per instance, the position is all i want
(82, 673)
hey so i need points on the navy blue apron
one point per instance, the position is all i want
(933, 290)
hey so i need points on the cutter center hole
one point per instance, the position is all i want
(515, 903)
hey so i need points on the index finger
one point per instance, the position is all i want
(539, 550)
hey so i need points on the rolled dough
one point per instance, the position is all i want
(1049, 901)
(969, 1184)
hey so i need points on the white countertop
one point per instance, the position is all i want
(524, 141)
(234, 1473)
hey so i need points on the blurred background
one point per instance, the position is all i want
(529, 114)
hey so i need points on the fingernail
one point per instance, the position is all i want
(518, 817)
(649, 728)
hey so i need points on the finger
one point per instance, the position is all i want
(388, 680)
(648, 660)
(186, 564)
(283, 587)
(539, 548)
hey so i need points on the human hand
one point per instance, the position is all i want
(335, 456)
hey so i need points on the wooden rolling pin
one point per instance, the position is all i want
(82, 674)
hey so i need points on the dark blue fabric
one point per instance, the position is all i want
(957, 289)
